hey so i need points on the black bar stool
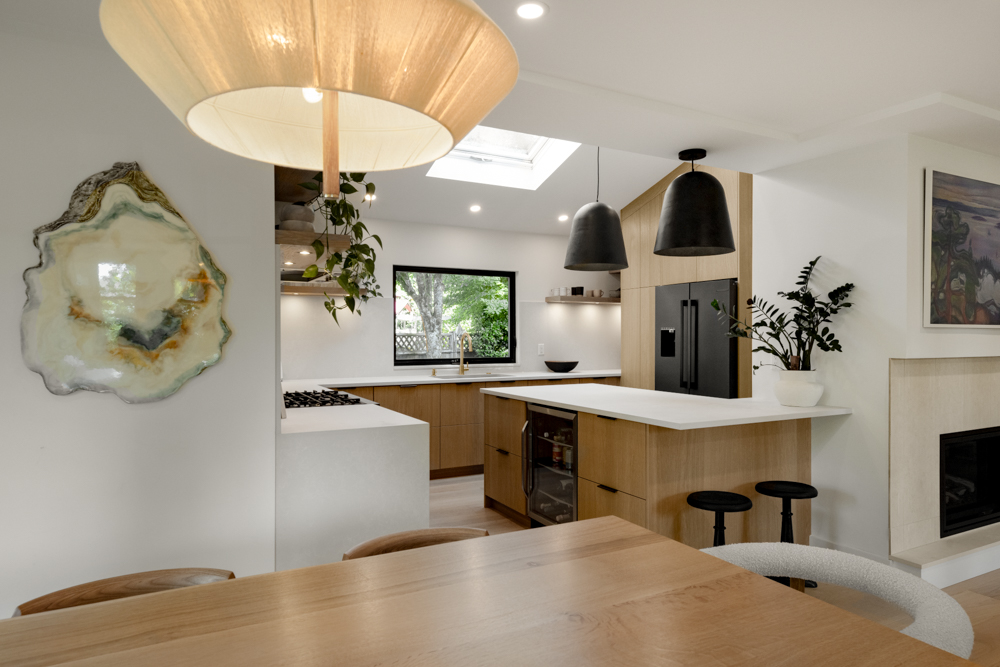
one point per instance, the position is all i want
(788, 491)
(719, 502)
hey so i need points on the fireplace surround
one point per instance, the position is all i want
(970, 480)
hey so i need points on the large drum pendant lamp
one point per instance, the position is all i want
(695, 217)
(402, 81)
(596, 242)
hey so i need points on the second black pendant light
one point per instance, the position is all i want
(596, 242)
(695, 217)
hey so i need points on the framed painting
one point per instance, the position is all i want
(961, 252)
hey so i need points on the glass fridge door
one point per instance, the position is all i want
(552, 455)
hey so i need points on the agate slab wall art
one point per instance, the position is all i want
(125, 299)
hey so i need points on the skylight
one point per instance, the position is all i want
(500, 157)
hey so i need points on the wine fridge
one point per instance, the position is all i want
(549, 457)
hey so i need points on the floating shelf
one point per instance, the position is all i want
(285, 237)
(616, 273)
(314, 289)
(595, 300)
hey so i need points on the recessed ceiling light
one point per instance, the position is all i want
(563, 218)
(475, 208)
(531, 10)
(371, 197)
(312, 95)
(305, 252)
(289, 263)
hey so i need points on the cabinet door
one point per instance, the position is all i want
(360, 392)
(542, 383)
(435, 445)
(502, 478)
(613, 382)
(504, 419)
(595, 502)
(421, 402)
(461, 446)
(461, 404)
(613, 453)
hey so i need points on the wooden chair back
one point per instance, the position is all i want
(412, 539)
(122, 587)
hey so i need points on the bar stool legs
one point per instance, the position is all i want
(719, 502)
(720, 529)
(787, 491)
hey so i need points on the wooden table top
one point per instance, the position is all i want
(597, 592)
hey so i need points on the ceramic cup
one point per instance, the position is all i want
(590, 292)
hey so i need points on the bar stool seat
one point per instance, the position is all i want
(719, 502)
(790, 490)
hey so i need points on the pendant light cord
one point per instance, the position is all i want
(598, 173)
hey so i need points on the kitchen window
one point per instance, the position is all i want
(435, 307)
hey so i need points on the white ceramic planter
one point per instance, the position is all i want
(798, 389)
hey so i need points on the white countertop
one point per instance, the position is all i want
(342, 418)
(426, 378)
(681, 412)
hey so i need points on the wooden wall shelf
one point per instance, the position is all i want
(284, 237)
(580, 300)
(314, 289)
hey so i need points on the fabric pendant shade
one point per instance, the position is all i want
(596, 242)
(695, 217)
(402, 80)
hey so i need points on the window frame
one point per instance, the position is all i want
(453, 361)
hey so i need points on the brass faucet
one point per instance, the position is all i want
(462, 366)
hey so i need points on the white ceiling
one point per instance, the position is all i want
(758, 85)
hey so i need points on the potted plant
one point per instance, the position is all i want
(356, 265)
(791, 337)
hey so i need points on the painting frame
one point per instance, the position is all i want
(932, 296)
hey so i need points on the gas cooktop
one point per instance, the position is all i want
(320, 399)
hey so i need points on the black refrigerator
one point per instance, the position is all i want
(693, 353)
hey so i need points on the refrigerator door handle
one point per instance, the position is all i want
(525, 464)
(693, 344)
(684, 344)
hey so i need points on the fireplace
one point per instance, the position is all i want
(970, 480)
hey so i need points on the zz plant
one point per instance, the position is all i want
(791, 337)
(356, 265)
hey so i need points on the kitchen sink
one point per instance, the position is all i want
(453, 376)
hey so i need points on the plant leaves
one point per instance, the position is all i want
(357, 177)
(311, 271)
(318, 248)
(369, 188)
(348, 189)
(310, 186)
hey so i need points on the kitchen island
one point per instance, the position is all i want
(639, 453)
(346, 474)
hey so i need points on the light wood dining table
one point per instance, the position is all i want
(597, 592)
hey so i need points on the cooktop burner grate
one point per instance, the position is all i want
(319, 399)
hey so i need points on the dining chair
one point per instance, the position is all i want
(123, 587)
(938, 619)
(412, 539)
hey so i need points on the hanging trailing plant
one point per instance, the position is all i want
(352, 269)
(791, 338)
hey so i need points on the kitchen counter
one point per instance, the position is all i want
(342, 418)
(426, 378)
(680, 412)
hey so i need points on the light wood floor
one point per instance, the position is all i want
(459, 502)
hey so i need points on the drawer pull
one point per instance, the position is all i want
(607, 488)
(614, 419)
(407, 386)
(503, 451)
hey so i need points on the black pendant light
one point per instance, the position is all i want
(595, 241)
(695, 218)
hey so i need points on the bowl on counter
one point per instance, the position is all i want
(561, 366)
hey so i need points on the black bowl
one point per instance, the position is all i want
(561, 366)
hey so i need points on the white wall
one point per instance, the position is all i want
(851, 209)
(313, 346)
(91, 487)
(921, 342)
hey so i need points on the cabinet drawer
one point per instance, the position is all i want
(596, 502)
(542, 383)
(421, 402)
(461, 446)
(461, 404)
(504, 420)
(613, 452)
(502, 478)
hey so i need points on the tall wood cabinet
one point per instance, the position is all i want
(640, 221)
